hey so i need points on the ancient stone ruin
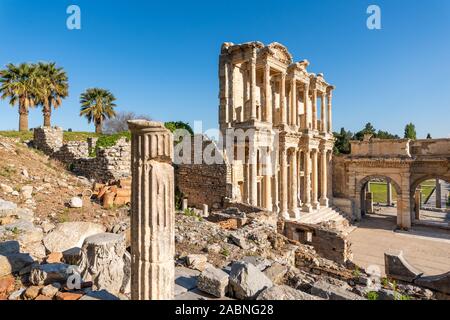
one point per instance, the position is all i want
(152, 211)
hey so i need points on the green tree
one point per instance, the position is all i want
(18, 83)
(410, 131)
(97, 105)
(386, 135)
(368, 129)
(173, 125)
(53, 87)
(429, 136)
(342, 144)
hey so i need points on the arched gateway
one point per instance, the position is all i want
(403, 163)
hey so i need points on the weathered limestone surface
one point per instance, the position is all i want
(69, 235)
(284, 292)
(14, 262)
(396, 267)
(246, 281)
(102, 261)
(213, 281)
(439, 282)
(45, 274)
(331, 292)
(152, 211)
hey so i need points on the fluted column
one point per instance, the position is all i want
(253, 168)
(315, 180)
(329, 121)
(267, 93)
(283, 98)
(268, 182)
(324, 176)
(253, 114)
(305, 103)
(323, 120)
(284, 185)
(231, 116)
(293, 205)
(438, 194)
(152, 211)
(314, 109)
(307, 180)
(293, 102)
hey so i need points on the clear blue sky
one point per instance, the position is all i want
(160, 57)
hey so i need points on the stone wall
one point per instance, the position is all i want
(330, 244)
(381, 148)
(109, 163)
(204, 183)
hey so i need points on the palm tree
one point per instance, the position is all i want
(97, 105)
(19, 84)
(53, 87)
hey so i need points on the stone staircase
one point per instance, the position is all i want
(331, 216)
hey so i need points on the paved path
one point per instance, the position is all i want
(445, 188)
(426, 249)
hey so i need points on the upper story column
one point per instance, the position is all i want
(329, 120)
(253, 114)
(293, 103)
(267, 93)
(305, 103)
(283, 97)
(323, 121)
(314, 109)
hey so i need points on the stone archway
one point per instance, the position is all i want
(360, 194)
(418, 207)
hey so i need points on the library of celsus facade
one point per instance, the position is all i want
(280, 117)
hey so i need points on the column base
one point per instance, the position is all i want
(324, 202)
(285, 215)
(294, 213)
(307, 208)
(316, 205)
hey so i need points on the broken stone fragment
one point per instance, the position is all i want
(76, 202)
(7, 208)
(14, 262)
(51, 290)
(328, 291)
(276, 272)
(284, 292)
(49, 273)
(31, 292)
(246, 281)
(70, 235)
(102, 261)
(239, 240)
(213, 281)
(26, 192)
(196, 261)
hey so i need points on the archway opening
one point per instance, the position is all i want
(432, 201)
(378, 196)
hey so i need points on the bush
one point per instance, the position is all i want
(372, 295)
(107, 141)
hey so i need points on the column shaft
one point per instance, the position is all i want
(253, 114)
(329, 121)
(314, 110)
(267, 93)
(315, 180)
(284, 186)
(322, 114)
(253, 166)
(293, 205)
(305, 104)
(307, 180)
(152, 211)
(324, 176)
(283, 98)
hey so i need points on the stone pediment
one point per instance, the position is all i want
(279, 52)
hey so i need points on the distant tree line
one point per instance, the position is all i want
(342, 144)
